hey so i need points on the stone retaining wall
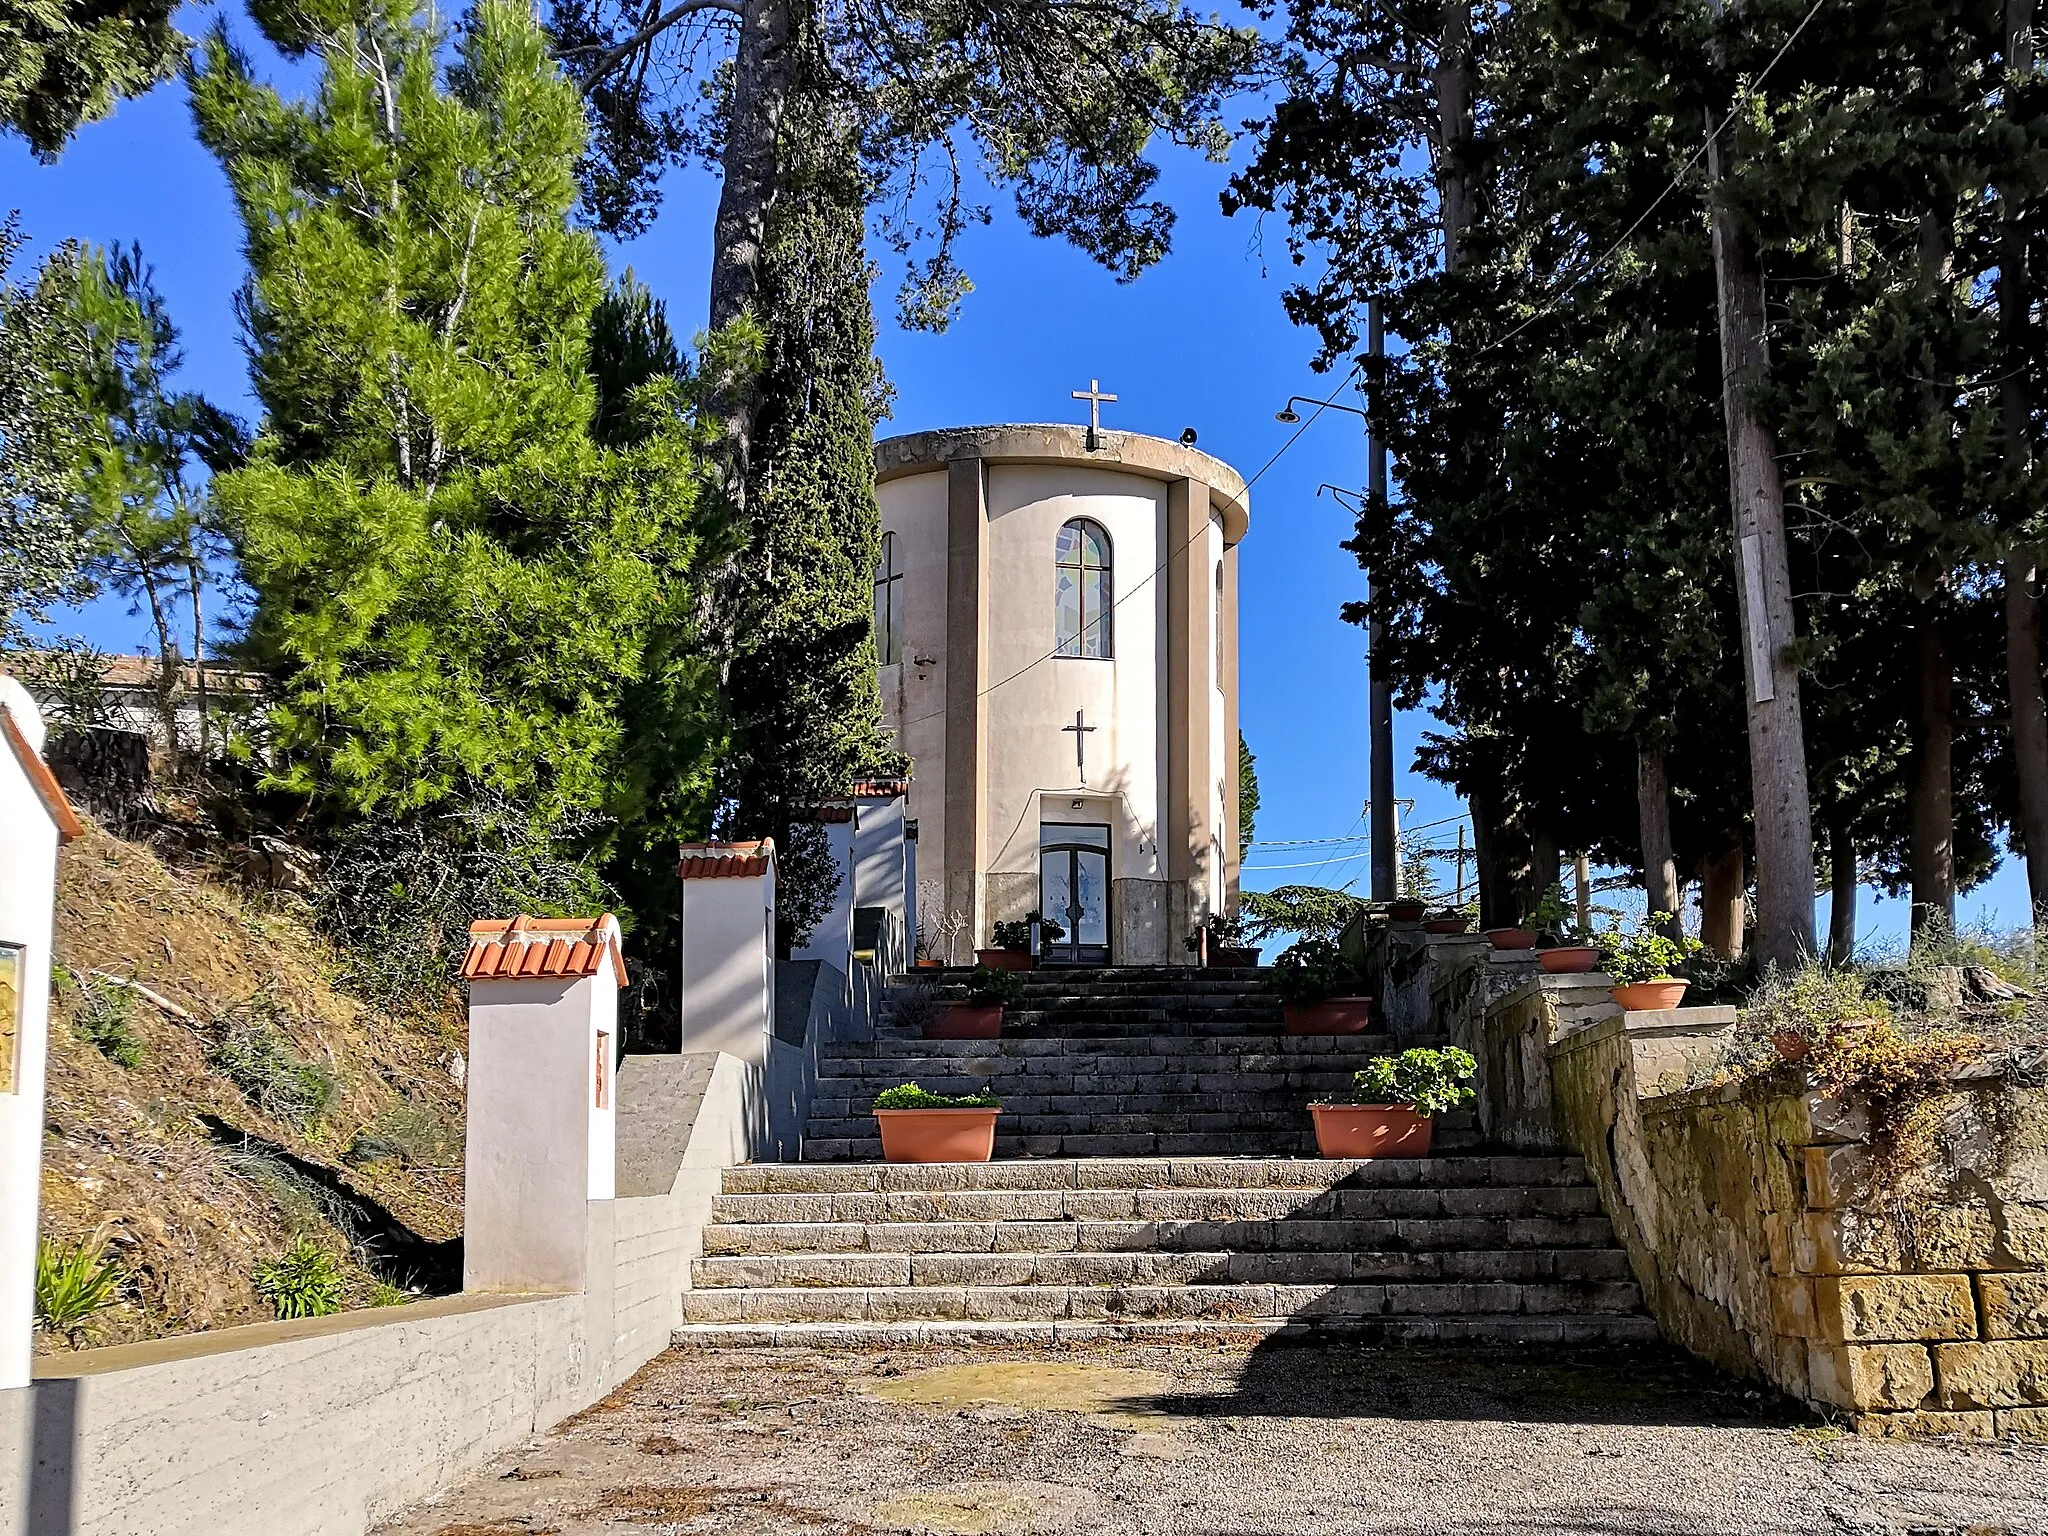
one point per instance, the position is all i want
(1769, 1238)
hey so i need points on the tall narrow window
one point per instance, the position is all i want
(1081, 600)
(888, 604)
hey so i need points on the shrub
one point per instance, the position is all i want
(271, 1074)
(988, 986)
(1312, 969)
(304, 1282)
(1428, 1082)
(1313, 911)
(1874, 1062)
(1810, 1002)
(104, 1018)
(913, 1006)
(404, 1133)
(1645, 955)
(74, 1285)
(1017, 935)
(910, 1096)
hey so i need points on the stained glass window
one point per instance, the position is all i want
(1081, 591)
(888, 604)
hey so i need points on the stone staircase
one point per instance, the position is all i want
(1501, 1249)
(1169, 1062)
(1155, 1174)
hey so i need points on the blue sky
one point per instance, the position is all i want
(1199, 341)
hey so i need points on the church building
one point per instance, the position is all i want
(1056, 622)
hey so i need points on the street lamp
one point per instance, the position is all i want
(1290, 416)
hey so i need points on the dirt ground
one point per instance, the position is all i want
(1195, 1440)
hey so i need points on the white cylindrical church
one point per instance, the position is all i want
(1056, 621)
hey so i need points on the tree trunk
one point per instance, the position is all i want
(1930, 831)
(763, 70)
(1841, 895)
(1501, 856)
(1653, 815)
(1763, 583)
(2022, 598)
(195, 573)
(1721, 904)
(1453, 82)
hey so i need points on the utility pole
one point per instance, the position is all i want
(1379, 691)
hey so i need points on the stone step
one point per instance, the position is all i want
(1287, 1117)
(1331, 1265)
(1229, 1301)
(1452, 1133)
(1106, 1112)
(1557, 1216)
(1520, 1170)
(1144, 1049)
(1587, 1329)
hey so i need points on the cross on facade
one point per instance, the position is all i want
(1096, 400)
(1081, 730)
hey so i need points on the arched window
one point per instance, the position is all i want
(888, 604)
(1081, 591)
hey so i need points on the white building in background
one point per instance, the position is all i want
(1056, 618)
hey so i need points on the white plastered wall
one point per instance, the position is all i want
(1032, 774)
(727, 992)
(914, 697)
(28, 871)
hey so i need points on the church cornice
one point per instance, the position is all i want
(1155, 458)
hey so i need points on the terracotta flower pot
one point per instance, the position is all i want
(1649, 996)
(966, 1021)
(1405, 911)
(938, 1135)
(1370, 1130)
(1447, 925)
(1332, 1016)
(1227, 955)
(1005, 959)
(1790, 1045)
(1568, 959)
(931, 965)
(1511, 938)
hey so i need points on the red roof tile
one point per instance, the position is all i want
(830, 815)
(716, 861)
(521, 948)
(879, 789)
(39, 775)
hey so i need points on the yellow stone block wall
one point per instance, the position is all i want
(1772, 1237)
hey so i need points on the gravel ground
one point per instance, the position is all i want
(1190, 1440)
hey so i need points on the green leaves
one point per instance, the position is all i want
(910, 1096)
(1428, 1082)
(74, 1284)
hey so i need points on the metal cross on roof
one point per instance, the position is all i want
(1096, 400)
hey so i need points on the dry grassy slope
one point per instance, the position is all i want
(188, 1211)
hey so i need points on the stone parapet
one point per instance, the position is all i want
(1776, 1233)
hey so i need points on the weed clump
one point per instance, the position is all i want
(305, 1281)
(104, 1018)
(74, 1285)
(255, 1056)
(406, 1133)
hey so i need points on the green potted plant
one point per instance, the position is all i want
(1572, 953)
(1319, 991)
(1447, 920)
(920, 1127)
(1643, 964)
(980, 1017)
(1013, 943)
(1224, 940)
(1391, 1108)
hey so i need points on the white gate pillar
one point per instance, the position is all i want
(542, 1136)
(35, 820)
(727, 992)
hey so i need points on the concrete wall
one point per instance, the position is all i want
(325, 1426)
(1904, 1282)
(832, 940)
(727, 994)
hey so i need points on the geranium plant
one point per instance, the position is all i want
(910, 1096)
(1312, 970)
(1648, 954)
(1428, 1082)
(1017, 934)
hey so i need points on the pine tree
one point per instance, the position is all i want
(42, 543)
(470, 601)
(66, 62)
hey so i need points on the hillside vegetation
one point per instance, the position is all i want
(241, 1111)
